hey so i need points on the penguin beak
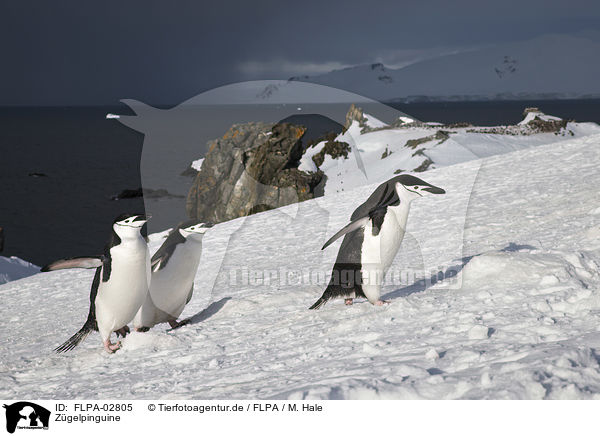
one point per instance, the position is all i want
(208, 225)
(142, 218)
(434, 190)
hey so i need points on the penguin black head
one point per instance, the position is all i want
(131, 220)
(129, 225)
(410, 187)
(193, 228)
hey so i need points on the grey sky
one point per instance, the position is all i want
(74, 52)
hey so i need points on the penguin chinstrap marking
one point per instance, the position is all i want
(372, 239)
(120, 284)
(174, 267)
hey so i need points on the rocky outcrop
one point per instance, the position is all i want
(356, 114)
(440, 135)
(424, 166)
(538, 125)
(252, 168)
(333, 148)
(534, 122)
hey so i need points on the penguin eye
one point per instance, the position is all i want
(416, 187)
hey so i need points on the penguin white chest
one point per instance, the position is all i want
(171, 285)
(121, 296)
(378, 251)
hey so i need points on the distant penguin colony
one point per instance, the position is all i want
(174, 267)
(120, 284)
(130, 286)
(372, 239)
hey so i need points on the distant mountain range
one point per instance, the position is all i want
(546, 67)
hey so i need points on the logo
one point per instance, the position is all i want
(26, 415)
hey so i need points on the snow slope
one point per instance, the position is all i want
(516, 237)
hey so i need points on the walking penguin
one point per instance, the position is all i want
(372, 239)
(174, 267)
(120, 284)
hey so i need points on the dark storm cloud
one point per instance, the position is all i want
(74, 52)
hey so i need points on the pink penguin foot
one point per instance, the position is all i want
(348, 301)
(110, 347)
(123, 331)
(381, 302)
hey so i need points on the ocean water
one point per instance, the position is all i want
(85, 159)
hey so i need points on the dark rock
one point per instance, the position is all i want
(457, 125)
(424, 166)
(148, 193)
(268, 91)
(128, 193)
(160, 193)
(281, 150)
(550, 126)
(386, 153)
(440, 135)
(189, 172)
(1, 239)
(299, 78)
(250, 169)
(334, 149)
(413, 143)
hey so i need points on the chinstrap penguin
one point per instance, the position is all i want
(372, 239)
(120, 284)
(174, 267)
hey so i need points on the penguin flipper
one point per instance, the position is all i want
(74, 262)
(354, 225)
(155, 264)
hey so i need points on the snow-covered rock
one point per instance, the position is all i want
(533, 113)
(416, 147)
(197, 164)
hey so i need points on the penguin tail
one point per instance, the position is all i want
(320, 302)
(74, 340)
